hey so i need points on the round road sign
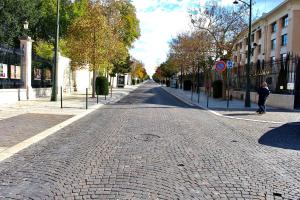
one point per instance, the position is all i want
(220, 66)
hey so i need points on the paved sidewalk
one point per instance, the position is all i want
(23, 120)
(236, 108)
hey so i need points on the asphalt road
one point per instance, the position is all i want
(152, 146)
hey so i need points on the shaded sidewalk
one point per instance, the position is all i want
(236, 109)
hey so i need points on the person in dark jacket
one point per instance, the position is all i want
(263, 93)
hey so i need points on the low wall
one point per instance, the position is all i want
(274, 100)
(42, 92)
(12, 95)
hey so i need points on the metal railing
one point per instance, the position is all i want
(11, 68)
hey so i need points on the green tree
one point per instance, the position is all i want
(122, 17)
(92, 41)
(13, 15)
(123, 66)
(41, 15)
(69, 11)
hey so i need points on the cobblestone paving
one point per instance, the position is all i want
(151, 146)
(16, 129)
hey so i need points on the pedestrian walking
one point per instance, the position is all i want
(263, 93)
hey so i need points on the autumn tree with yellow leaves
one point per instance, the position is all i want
(95, 40)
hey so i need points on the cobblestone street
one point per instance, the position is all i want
(152, 146)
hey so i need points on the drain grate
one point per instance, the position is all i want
(180, 165)
(234, 141)
(147, 137)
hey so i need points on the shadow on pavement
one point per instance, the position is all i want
(286, 136)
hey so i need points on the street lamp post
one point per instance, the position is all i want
(54, 78)
(247, 97)
(25, 25)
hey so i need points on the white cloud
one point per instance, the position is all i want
(158, 26)
(160, 21)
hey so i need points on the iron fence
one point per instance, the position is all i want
(41, 72)
(11, 68)
(280, 75)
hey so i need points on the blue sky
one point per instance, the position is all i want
(161, 20)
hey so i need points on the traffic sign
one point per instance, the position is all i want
(220, 66)
(229, 64)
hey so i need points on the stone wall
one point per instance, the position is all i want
(274, 100)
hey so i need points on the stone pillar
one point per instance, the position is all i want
(26, 46)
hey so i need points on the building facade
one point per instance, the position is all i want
(274, 36)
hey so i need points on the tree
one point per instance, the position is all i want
(91, 41)
(69, 11)
(191, 52)
(41, 15)
(223, 24)
(13, 15)
(138, 71)
(122, 67)
(121, 15)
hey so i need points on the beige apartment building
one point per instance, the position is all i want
(275, 36)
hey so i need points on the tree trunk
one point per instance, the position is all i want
(111, 85)
(94, 84)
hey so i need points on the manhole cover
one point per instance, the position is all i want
(147, 137)
(277, 194)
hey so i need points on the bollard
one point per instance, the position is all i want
(86, 99)
(97, 99)
(19, 94)
(199, 95)
(61, 98)
(228, 91)
(207, 100)
(105, 97)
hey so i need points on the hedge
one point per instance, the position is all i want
(102, 85)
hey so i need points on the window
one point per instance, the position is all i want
(259, 49)
(259, 34)
(241, 45)
(284, 40)
(273, 44)
(283, 56)
(273, 27)
(252, 37)
(272, 60)
(285, 21)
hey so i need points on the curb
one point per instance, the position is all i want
(7, 153)
(216, 113)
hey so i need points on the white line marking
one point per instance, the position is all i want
(26, 143)
(8, 152)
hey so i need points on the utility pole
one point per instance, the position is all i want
(54, 75)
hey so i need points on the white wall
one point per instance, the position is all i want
(83, 78)
(64, 74)
(8, 96)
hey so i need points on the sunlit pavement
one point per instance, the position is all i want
(152, 146)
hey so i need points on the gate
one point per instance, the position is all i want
(10, 68)
(41, 72)
(297, 85)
